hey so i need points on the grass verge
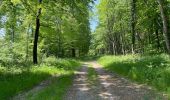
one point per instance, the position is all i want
(153, 70)
(54, 91)
(17, 79)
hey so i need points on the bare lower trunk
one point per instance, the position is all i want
(133, 23)
(27, 43)
(36, 41)
(73, 52)
(164, 15)
(157, 39)
(35, 61)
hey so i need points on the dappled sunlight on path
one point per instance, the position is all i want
(109, 86)
(80, 89)
(115, 87)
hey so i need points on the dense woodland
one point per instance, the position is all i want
(62, 29)
(45, 38)
(132, 26)
(44, 28)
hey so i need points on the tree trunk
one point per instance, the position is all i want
(35, 61)
(164, 15)
(73, 52)
(12, 42)
(111, 51)
(27, 42)
(133, 23)
(157, 39)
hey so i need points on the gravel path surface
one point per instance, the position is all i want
(110, 87)
(81, 89)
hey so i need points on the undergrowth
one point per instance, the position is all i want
(16, 79)
(153, 70)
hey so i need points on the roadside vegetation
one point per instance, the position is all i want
(14, 80)
(56, 90)
(153, 70)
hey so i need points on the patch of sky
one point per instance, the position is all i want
(94, 19)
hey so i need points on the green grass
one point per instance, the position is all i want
(92, 77)
(16, 79)
(153, 70)
(88, 58)
(54, 91)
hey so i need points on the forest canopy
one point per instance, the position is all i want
(132, 26)
(44, 28)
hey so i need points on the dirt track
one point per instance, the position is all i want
(110, 86)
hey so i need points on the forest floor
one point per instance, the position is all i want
(107, 86)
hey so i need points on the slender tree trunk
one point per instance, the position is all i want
(35, 61)
(13, 34)
(133, 23)
(157, 39)
(164, 15)
(111, 51)
(12, 42)
(113, 45)
(59, 54)
(73, 52)
(27, 43)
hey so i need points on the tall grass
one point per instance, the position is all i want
(153, 70)
(14, 80)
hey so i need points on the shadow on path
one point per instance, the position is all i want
(110, 86)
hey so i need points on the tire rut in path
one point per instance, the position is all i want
(110, 86)
(81, 89)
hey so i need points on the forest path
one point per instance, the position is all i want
(109, 86)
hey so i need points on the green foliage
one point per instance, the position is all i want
(64, 26)
(153, 69)
(66, 64)
(113, 35)
(16, 79)
(65, 32)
